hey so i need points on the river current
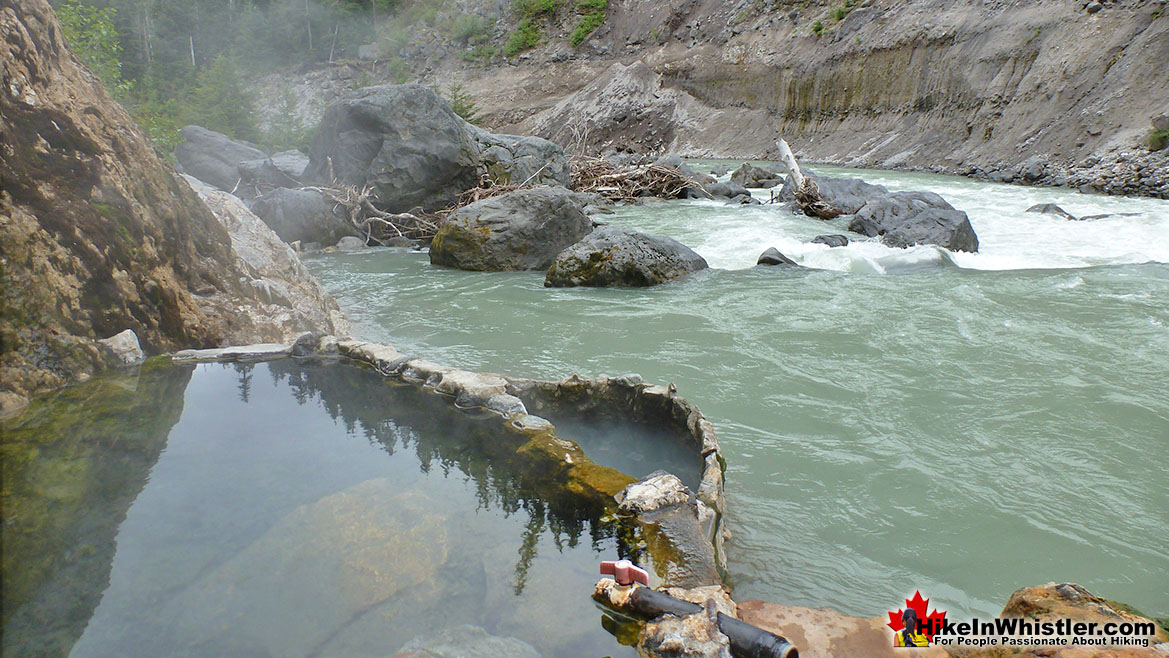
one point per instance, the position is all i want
(893, 420)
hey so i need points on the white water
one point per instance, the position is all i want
(1009, 238)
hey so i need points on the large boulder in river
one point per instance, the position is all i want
(213, 157)
(302, 215)
(403, 140)
(749, 175)
(520, 230)
(903, 219)
(409, 145)
(847, 195)
(617, 256)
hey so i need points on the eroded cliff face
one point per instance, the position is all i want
(97, 234)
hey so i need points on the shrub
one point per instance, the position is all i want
(465, 27)
(1157, 140)
(526, 35)
(593, 15)
(817, 27)
(534, 8)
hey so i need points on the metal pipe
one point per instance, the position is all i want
(747, 641)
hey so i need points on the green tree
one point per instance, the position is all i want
(218, 102)
(91, 34)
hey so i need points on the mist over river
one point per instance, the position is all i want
(893, 420)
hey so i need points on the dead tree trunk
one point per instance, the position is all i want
(807, 192)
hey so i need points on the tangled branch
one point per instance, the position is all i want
(375, 224)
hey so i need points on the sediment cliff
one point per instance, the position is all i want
(1012, 90)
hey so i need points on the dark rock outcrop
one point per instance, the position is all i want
(903, 219)
(772, 256)
(403, 140)
(409, 145)
(749, 175)
(831, 240)
(214, 158)
(1051, 209)
(97, 234)
(617, 256)
(302, 215)
(520, 230)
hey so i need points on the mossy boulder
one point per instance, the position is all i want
(617, 256)
(520, 230)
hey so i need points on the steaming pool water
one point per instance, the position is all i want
(893, 420)
(284, 509)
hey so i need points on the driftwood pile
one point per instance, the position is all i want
(590, 174)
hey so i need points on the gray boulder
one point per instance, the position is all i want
(520, 230)
(848, 195)
(282, 169)
(724, 190)
(749, 175)
(123, 348)
(831, 240)
(772, 256)
(617, 256)
(302, 215)
(508, 159)
(214, 157)
(404, 140)
(903, 219)
(1051, 209)
(676, 162)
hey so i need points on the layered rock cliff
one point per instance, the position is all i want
(97, 233)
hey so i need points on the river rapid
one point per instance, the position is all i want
(893, 420)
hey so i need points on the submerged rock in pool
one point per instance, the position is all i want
(618, 256)
(466, 642)
(356, 550)
(904, 219)
(521, 230)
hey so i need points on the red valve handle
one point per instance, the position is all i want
(624, 572)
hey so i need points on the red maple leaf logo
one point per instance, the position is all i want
(931, 623)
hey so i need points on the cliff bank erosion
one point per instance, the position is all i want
(1038, 91)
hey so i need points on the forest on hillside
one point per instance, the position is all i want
(173, 63)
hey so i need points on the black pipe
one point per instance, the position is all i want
(747, 641)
